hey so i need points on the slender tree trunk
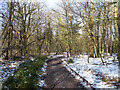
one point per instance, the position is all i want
(71, 46)
(68, 47)
(107, 40)
(20, 42)
(99, 36)
(91, 28)
(115, 27)
(111, 33)
(118, 23)
(57, 47)
(9, 31)
(24, 32)
(104, 31)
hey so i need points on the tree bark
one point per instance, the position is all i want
(104, 31)
(111, 33)
(118, 23)
(115, 27)
(107, 24)
(91, 28)
(10, 27)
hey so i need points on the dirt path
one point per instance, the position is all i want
(58, 76)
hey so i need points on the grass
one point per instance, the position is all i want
(105, 80)
(70, 61)
(26, 75)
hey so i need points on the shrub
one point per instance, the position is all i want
(26, 75)
(105, 80)
(70, 61)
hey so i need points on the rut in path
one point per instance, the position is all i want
(58, 76)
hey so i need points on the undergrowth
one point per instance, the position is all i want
(70, 61)
(26, 75)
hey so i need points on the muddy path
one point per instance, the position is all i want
(57, 76)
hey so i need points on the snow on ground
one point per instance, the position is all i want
(97, 74)
(53, 55)
(41, 82)
(7, 68)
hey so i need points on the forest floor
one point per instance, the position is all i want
(59, 73)
(94, 72)
(57, 76)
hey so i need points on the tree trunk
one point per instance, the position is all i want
(107, 24)
(68, 46)
(24, 32)
(9, 31)
(118, 23)
(115, 27)
(104, 31)
(111, 33)
(71, 39)
(99, 27)
(91, 28)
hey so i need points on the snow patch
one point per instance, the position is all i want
(95, 71)
(41, 82)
